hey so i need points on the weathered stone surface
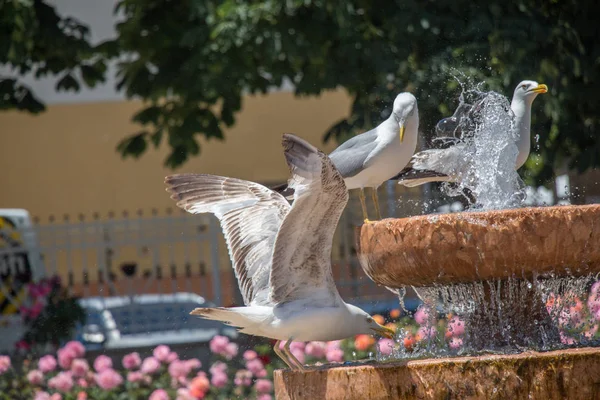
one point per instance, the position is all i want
(472, 246)
(566, 374)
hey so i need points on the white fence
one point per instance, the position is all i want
(131, 254)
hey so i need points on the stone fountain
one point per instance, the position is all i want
(497, 269)
(513, 249)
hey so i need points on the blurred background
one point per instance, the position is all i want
(100, 100)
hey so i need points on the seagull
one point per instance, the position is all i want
(281, 253)
(373, 157)
(447, 163)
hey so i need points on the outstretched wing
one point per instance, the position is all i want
(302, 256)
(250, 216)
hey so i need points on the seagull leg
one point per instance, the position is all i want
(291, 356)
(283, 356)
(363, 204)
(376, 202)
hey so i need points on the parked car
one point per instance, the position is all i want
(147, 320)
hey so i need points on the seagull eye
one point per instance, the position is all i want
(524, 86)
(369, 319)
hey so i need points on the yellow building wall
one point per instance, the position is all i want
(64, 161)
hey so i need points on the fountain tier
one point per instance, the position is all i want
(498, 267)
(567, 374)
(477, 246)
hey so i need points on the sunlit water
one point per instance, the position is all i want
(501, 317)
(485, 124)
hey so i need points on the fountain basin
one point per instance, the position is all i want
(474, 246)
(572, 374)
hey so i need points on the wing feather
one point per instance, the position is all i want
(250, 216)
(302, 255)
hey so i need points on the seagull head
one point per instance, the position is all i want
(362, 322)
(528, 90)
(405, 111)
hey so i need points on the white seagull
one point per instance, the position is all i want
(446, 164)
(281, 253)
(373, 157)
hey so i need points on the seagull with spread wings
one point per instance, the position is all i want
(281, 253)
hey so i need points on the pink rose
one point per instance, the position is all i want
(108, 379)
(316, 349)
(135, 376)
(102, 363)
(250, 355)
(35, 377)
(77, 348)
(150, 365)
(386, 346)
(184, 394)
(422, 315)
(66, 355)
(255, 366)
(79, 367)
(218, 344)
(179, 369)
(4, 364)
(82, 383)
(161, 353)
(334, 355)
(193, 363)
(243, 378)
(159, 394)
(231, 350)
(455, 343)
(456, 327)
(264, 396)
(47, 364)
(218, 366)
(426, 332)
(334, 344)
(42, 396)
(218, 379)
(172, 357)
(263, 386)
(132, 361)
(82, 396)
(62, 382)
(261, 374)
(56, 396)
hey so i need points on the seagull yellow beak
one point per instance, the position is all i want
(402, 131)
(540, 89)
(384, 331)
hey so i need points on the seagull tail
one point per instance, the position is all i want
(229, 316)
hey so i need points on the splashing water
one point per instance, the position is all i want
(488, 146)
(507, 316)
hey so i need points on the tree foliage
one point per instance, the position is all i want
(36, 40)
(193, 62)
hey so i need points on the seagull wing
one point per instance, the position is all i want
(302, 255)
(350, 157)
(250, 216)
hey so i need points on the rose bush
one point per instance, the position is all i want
(248, 374)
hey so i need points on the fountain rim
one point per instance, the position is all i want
(471, 246)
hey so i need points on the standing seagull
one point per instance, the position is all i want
(281, 254)
(446, 164)
(373, 157)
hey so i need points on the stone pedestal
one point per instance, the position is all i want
(566, 374)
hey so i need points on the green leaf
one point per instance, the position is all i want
(133, 146)
(66, 83)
